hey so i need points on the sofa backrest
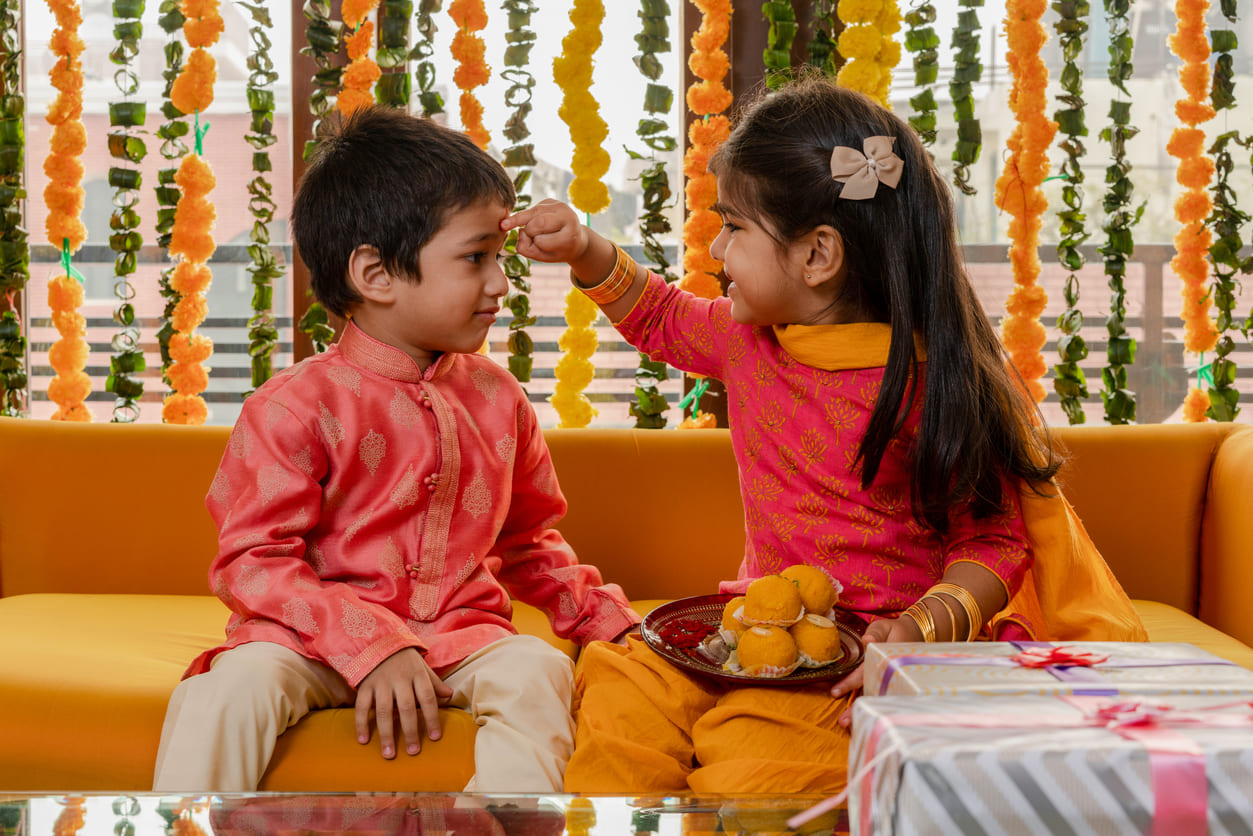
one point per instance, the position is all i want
(120, 508)
(109, 508)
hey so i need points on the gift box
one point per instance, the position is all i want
(1036, 668)
(1061, 764)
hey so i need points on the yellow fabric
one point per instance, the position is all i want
(1227, 539)
(1068, 594)
(833, 348)
(646, 726)
(1165, 623)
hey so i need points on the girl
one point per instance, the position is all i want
(876, 428)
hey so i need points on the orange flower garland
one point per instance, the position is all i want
(71, 818)
(192, 234)
(1018, 189)
(362, 71)
(472, 71)
(708, 98)
(572, 70)
(867, 44)
(1196, 170)
(63, 195)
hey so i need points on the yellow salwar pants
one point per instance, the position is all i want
(644, 725)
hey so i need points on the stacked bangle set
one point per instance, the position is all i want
(616, 284)
(921, 615)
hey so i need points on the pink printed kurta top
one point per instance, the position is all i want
(364, 506)
(799, 401)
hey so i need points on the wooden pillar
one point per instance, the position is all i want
(303, 68)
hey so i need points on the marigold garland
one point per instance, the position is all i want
(1195, 170)
(472, 71)
(362, 71)
(870, 52)
(71, 818)
(70, 387)
(574, 370)
(1018, 188)
(192, 235)
(708, 98)
(572, 70)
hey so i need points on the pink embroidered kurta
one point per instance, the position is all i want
(364, 506)
(795, 430)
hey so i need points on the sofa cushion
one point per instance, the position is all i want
(87, 678)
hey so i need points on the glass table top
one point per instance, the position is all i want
(418, 813)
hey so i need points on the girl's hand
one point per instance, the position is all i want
(403, 684)
(884, 630)
(549, 231)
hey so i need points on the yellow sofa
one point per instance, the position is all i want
(105, 541)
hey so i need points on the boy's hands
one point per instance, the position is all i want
(549, 231)
(400, 685)
(901, 629)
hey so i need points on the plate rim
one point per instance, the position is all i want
(850, 628)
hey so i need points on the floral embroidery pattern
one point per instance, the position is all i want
(332, 427)
(486, 383)
(407, 489)
(404, 412)
(303, 460)
(253, 580)
(356, 621)
(506, 448)
(371, 450)
(220, 490)
(477, 499)
(297, 613)
(349, 378)
(271, 481)
(391, 563)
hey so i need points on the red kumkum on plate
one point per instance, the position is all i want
(675, 631)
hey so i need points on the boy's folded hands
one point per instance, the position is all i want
(400, 686)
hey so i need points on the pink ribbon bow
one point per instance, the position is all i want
(861, 172)
(1040, 657)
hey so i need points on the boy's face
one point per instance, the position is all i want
(458, 297)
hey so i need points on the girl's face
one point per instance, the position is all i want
(767, 286)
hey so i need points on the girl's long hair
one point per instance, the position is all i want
(904, 266)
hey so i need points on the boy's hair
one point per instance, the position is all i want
(387, 179)
(904, 266)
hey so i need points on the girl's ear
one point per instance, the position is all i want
(368, 276)
(825, 255)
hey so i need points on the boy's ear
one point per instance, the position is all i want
(368, 276)
(825, 255)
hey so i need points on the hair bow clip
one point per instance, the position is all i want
(861, 172)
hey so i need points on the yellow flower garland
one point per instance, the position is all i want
(572, 70)
(362, 70)
(868, 46)
(708, 98)
(472, 71)
(1195, 171)
(63, 195)
(1018, 189)
(191, 237)
(574, 370)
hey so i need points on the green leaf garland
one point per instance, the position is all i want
(394, 86)
(967, 70)
(923, 43)
(126, 119)
(1225, 221)
(429, 98)
(173, 149)
(14, 253)
(1120, 217)
(519, 156)
(323, 38)
(777, 56)
(264, 269)
(822, 52)
(1069, 381)
(649, 405)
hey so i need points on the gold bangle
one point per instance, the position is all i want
(968, 603)
(922, 617)
(952, 616)
(614, 286)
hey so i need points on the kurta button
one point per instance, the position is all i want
(431, 481)
(413, 573)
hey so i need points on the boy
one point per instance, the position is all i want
(376, 500)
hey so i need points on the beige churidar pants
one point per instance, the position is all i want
(221, 726)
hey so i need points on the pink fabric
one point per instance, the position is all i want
(795, 430)
(364, 506)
